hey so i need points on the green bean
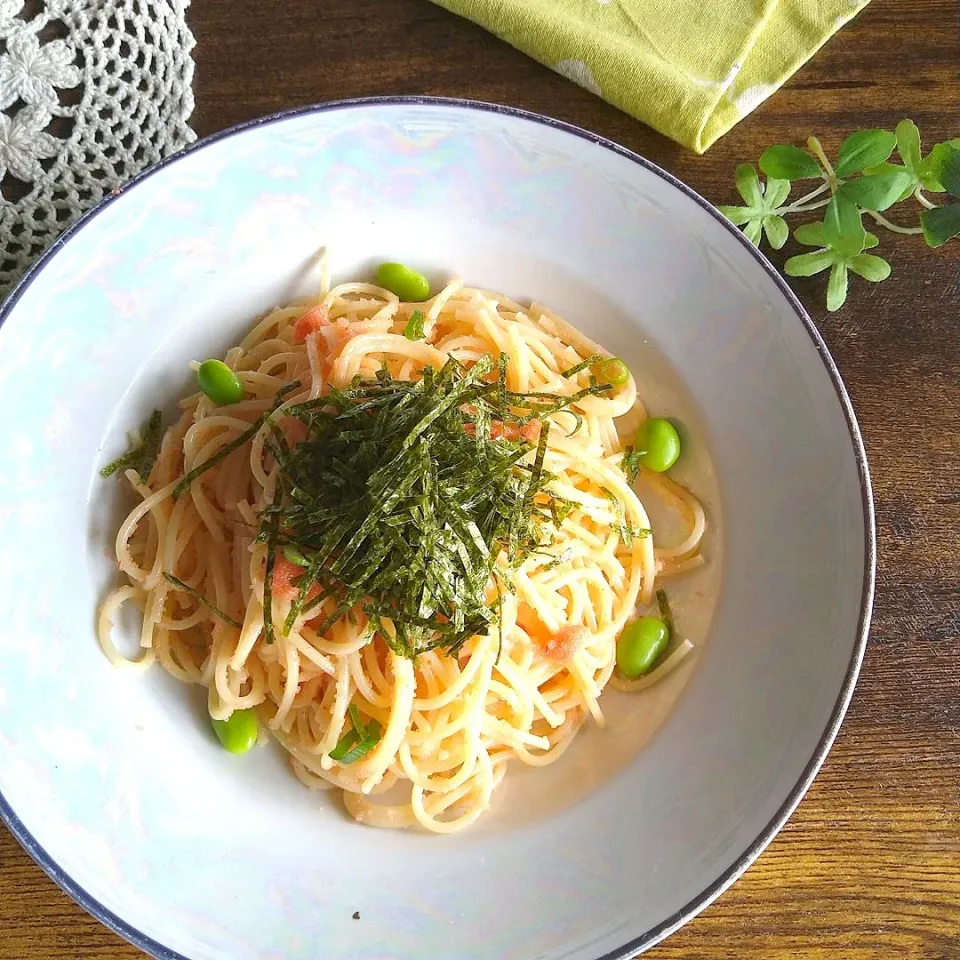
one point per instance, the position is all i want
(657, 444)
(219, 382)
(640, 644)
(238, 733)
(407, 284)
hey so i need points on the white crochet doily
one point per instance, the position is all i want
(91, 92)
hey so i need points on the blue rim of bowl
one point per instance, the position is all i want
(713, 890)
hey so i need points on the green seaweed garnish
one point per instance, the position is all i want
(142, 455)
(271, 537)
(582, 365)
(632, 459)
(234, 444)
(414, 328)
(180, 585)
(403, 500)
(663, 605)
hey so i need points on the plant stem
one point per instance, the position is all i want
(884, 222)
(922, 200)
(810, 196)
(795, 208)
(803, 205)
(814, 144)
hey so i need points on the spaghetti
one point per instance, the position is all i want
(446, 722)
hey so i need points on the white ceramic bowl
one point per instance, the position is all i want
(113, 782)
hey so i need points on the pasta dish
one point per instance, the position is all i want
(398, 532)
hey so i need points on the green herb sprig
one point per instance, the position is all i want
(402, 498)
(863, 181)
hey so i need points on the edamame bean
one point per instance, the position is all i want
(658, 444)
(219, 382)
(238, 733)
(613, 371)
(640, 644)
(295, 555)
(407, 284)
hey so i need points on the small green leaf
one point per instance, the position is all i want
(928, 172)
(787, 162)
(877, 191)
(933, 163)
(810, 235)
(862, 149)
(885, 167)
(752, 232)
(842, 226)
(895, 168)
(837, 287)
(940, 224)
(870, 267)
(737, 215)
(908, 145)
(776, 192)
(776, 230)
(748, 183)
(949, 169)
(808, 264)
(813, 235)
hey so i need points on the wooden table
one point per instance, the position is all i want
(869, 866)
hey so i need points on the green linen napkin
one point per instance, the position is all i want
(689, 68)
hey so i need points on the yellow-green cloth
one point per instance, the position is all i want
(689, 68)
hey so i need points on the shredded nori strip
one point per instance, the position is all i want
(665, 613)
(225, 452)
(271, 533)
(402, 501)
(180, 585)
(143, 455)
(582, 365)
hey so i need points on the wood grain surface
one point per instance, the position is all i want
(869, 866)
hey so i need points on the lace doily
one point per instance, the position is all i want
(91, 92)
